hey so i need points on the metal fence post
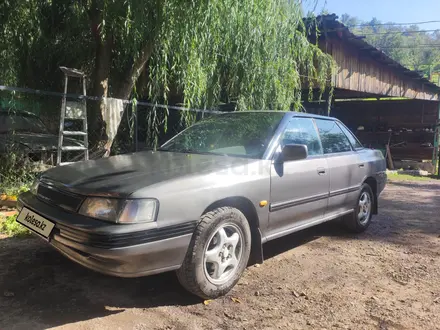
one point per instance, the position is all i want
(435, 156)
(135, 112)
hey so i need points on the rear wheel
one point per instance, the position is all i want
(218, 253)
(360, 219)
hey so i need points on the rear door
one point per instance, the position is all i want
(345, 169)
(299, 189)
(362, 154)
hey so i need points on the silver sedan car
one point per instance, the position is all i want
(206, 201)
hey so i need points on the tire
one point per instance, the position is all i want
(358, 221)
(209, 269)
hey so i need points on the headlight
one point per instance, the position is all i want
(138, 210)
(101, 208)
(120, 211)
(34, 186)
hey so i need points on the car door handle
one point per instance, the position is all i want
(321, 171)
(361, 165)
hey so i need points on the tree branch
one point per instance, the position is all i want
(135, 71)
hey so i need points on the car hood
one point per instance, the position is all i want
(122, 175)
(37, 141)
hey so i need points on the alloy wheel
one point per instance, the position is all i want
(364, 208)
(223, 253)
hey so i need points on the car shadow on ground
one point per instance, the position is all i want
(286, 243)
(40, 286)
(399, 221)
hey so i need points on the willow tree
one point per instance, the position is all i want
(254, 53)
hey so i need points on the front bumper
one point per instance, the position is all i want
(118, 250)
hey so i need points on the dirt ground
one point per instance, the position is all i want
(321, 278)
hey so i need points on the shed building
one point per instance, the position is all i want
(383, 102)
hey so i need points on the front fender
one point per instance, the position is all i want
(187, 198)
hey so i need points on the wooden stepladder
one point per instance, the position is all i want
(73, 111)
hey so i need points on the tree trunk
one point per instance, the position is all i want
(133, 74)
(102, 68)
(103, 60)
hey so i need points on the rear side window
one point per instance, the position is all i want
(332, 138)
(302, 131)
(353, 140)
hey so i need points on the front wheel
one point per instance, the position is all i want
(218, 253)
(360, 219)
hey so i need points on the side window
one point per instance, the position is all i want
(353, 140)
(302, 131)
(332, 138)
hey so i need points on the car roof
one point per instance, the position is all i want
(310, 115)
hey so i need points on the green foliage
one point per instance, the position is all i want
(250, 53)
(414, 50)
(40, 35)
(15, 189)
(16, 172)
(10, 227)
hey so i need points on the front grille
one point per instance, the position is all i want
(59, 198)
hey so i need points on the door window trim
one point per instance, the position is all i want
(336, 122)
(341, 124)
(282, 127)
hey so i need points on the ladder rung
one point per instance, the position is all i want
(74, 118)
(77, 133)
(73, 148)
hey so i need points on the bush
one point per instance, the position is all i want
(10, 227)
(16, 173)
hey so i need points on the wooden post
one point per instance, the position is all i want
(389, 158)
(328, 101)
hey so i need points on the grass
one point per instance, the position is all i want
(407, 177)
(10, 227)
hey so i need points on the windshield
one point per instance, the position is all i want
(235, 134)
(20, 123)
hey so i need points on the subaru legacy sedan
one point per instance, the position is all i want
(205, 202)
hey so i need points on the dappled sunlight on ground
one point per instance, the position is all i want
(386, 278)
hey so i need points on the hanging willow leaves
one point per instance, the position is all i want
(253, 54)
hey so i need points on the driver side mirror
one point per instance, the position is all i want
(292, 152)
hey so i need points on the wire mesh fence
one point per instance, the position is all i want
(30, 129)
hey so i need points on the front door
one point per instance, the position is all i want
(299, 189)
